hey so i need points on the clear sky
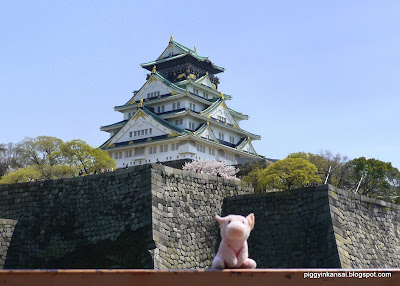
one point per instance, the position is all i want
(312, 75)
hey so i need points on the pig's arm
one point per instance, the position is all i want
(228, 255)
(242, 255)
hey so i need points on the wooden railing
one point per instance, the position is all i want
(266, 277)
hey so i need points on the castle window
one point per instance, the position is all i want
(176, 105)
(211, 151)
(150, 130)
(221, 118)
(160, 108)
(195, 91)
(232, 139)
(130, 134)
(174, 146)
(229, 156)
(152, 150)
(191, 125)
(201, 148)
(221, 136)
(164, 148)
(192, 106)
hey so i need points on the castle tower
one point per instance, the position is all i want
(179, 113)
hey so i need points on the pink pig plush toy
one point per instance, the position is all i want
(233, 251)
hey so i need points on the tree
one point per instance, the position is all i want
(11, 158)
(80, 155)
(39, 150)
(289, 174)
(252, 178)
(21, 175)
(374, 175)
(212, 167)
(46, 157)
(251, 171)
(329, 166)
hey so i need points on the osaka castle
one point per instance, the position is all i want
(179, 113)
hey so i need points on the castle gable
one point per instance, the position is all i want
(154, 87)
(247, 147)
(221, 113)
(206, 133)
(142, 125)
(205, 80)
(170, 50)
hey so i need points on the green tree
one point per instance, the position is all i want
(21, 175)
(80, 155)
(253, 178)
(50, 158)
(329, 166)
(289, 174)
(375, 176)
(49, 172)
(250, 172)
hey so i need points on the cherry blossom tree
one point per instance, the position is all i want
(212, 167)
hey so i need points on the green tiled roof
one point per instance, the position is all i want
(242, 144)
(167, 82)
(164, 80)
(238, 113)
(121, 123)
(163, 121)
(212, 106)
(186, 51)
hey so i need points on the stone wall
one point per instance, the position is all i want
(184, 207)
(367, 230)
(98, 221)
(320, 227)
(153, 216)
(149, 216)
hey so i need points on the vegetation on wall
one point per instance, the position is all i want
(46, 157)
(289, 174)
(369, 177)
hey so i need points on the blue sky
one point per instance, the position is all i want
(312, 75)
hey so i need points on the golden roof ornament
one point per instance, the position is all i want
(195, 50)
(172, 38)
(206, 73)
(141, 103)
(154, 69)
(222, 96)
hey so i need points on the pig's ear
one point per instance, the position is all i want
(251, 219)
(219, 219)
